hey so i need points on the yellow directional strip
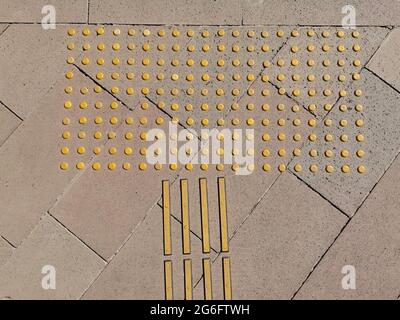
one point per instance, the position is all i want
(206, 261)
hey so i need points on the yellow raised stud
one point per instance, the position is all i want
(126, 166)
(345, 169)
(112, 166)
(96, 166)
(80, 166)
(86, 32)
(361, 169)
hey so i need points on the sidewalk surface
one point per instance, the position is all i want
(314, 94)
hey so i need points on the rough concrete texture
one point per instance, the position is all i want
(198, 12)
(138, 271)
(378, 148)
(370, 243)
(33, 69)
(49, 244)
(315, 12)
(8, 123)
(280, 241)
(35, 10)
(77, 190)
(386, 63)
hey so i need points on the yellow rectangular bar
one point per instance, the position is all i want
(207, 279)
(226, 269)
(168, 280)
(205, 232)
(166, 218)
(223, 217)
(185, 217)
(187, 266)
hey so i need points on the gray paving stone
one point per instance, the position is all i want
(49, 244)
(22, 11)
(30, 175)
(115, 201)
(8, 123)
(137, 271)
(32, 69)
(277, 246)
(5, 251)
(201, 12)
(370, 243)
(385, 63)
(381, 115)
(314, 12)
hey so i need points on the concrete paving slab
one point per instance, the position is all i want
(49, 244)
(21, 11)
(314, 12)
(318, 64)
(370, 243)
(30, 175)
(119, 192)
(385, 63)
(278, 244)
(6, 251)
(357, 146)
(8, 123)
(31, 70)
(271, 157)
(201, 12)
(137, 272)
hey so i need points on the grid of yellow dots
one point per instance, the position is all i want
(146, 47)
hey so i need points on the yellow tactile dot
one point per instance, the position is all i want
(81, 134)
(64, 165)
(345, 169)
(329, 169)
(115, 90)
(86, 46)
(111, 135)
(295, 33)
(358, 93)
(281, 152)
(112, 166)
(71, 32)
(341, 48)
(280, 62)
(97, 135)
(101, 46)
(112, 150)
(313, 168)
(360, 138)
(70, 60)
(85, 61)
(296, 122)
(66, 135)
(329, 153)
(81, 150)
(325, 48)
(69, 75)
(281, 136)
(161, 47)
(342, 93)
(361, 169)
(281, 122)
(344, 153)
(341, 62)
(96, 150)
(312, 137)
(356, 76)
(326, 63)
(360, 153)
(310, 33)
(355, 34)
(100, 61)
(298, 168)
(311, 62)
(280, 33)
(357, 63)
(266, 167)
(296, 137)
(64, 150)
(82, 120)
(344, 138)
(281, 91)
(96, 166)
(310, 47)
(296, 152)
(282, 168)
(359, 108)
(86, 32)
(80, 166)
(84, 90)
(71, 46)
(313, 153)
(342, 78)
(340, 34)
(296, 92)
(356, 47)
(325, 34)
(126, 166)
